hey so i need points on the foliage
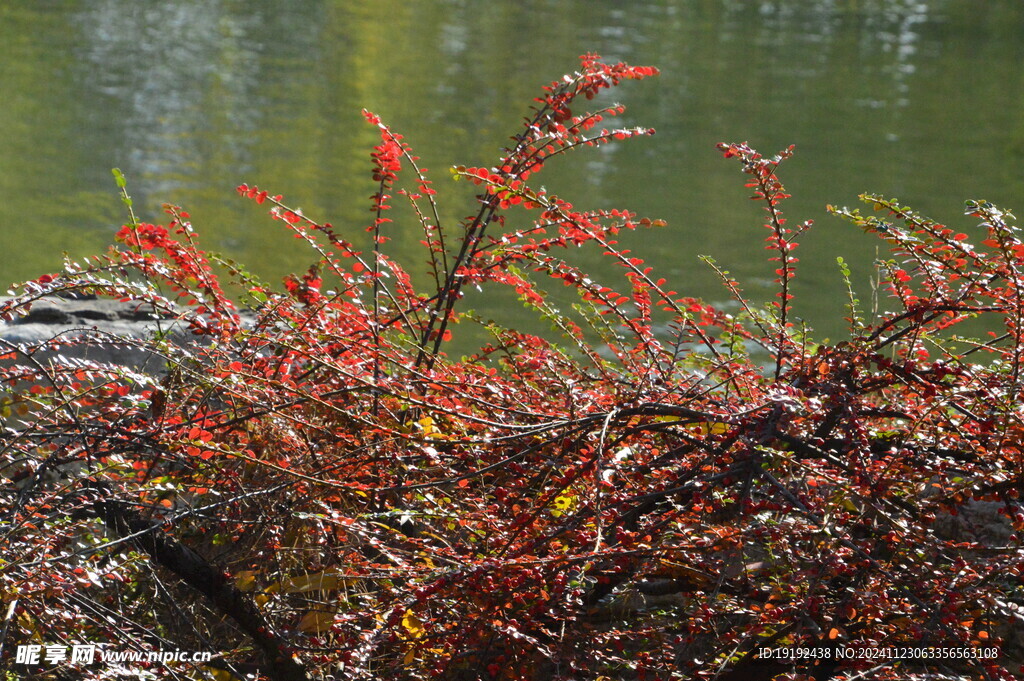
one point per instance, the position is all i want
(316, 490)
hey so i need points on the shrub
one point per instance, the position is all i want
(315, 490)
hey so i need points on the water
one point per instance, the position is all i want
(919, 100)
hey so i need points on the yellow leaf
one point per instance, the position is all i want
(315, 621)
(28, 624)
(713, 427)
(220, 674)
(564, 502)
(318, 581)
(245, 580)
(412, 624)
(428, 428)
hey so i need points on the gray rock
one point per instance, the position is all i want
(93, 329)
(71, 311)
(96, 330)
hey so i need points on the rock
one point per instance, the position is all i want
(70, 311)
(976, 522)
(98, 330)
(95, 329)
(46, 312)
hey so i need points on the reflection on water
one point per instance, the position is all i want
(166, 71)
(190, 98)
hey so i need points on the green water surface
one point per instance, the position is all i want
(920, 100)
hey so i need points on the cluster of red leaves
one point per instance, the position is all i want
(320, 491)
